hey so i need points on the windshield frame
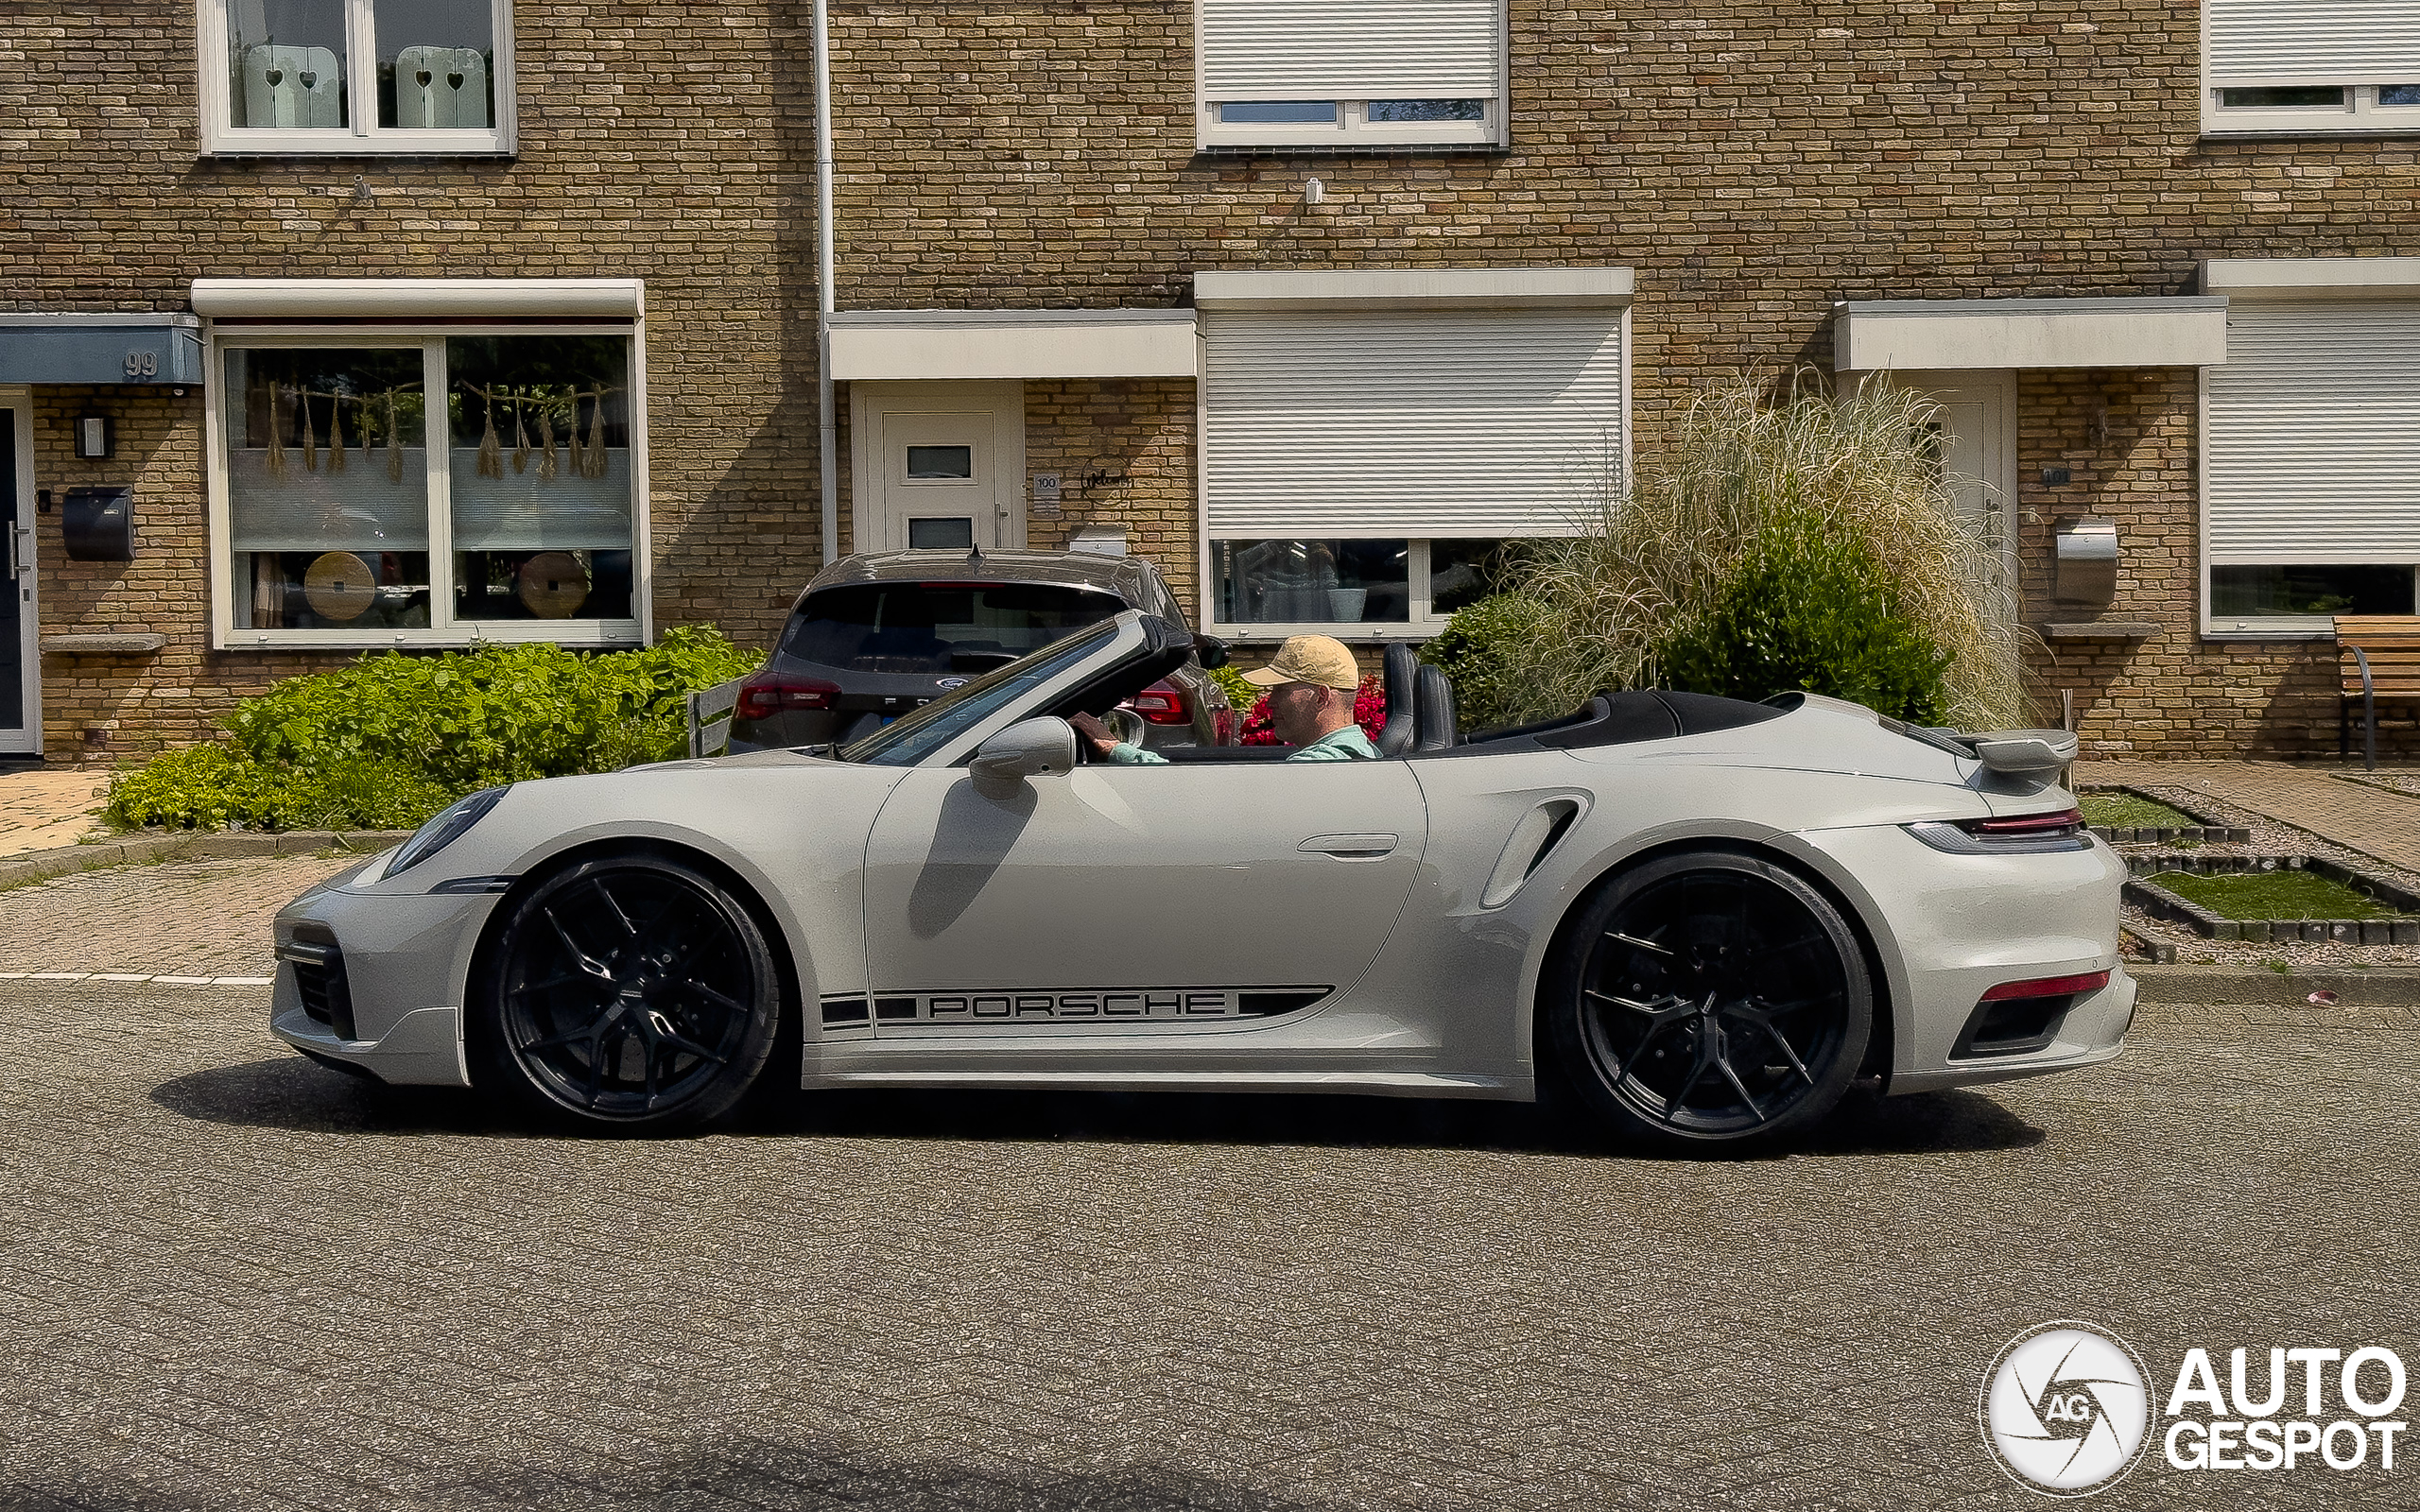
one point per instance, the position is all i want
(971, 713)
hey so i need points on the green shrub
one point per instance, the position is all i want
(389, 740)
(1245, 695)
(1487, 652)
(1811, 608)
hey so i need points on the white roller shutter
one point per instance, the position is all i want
(1481, 423)
(2317, 42)
(2314, 432)
(1351, 49)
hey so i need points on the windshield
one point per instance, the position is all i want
(911, 738)
(912, 626)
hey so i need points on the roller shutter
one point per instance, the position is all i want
(1475, 423)
(2314, 432)
(2314, 42)
(1351, 49)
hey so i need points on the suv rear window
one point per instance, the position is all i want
(910, 627)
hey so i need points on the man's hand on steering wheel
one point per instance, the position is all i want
(1094, 733)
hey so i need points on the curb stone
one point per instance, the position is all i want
(2374, 987)
(60, 861)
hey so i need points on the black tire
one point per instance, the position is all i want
(1706, 999)
(631, 991)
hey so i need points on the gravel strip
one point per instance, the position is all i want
(2406, 784)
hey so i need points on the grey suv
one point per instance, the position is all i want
(874, 636)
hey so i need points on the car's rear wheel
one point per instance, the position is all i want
(1708, 999)
(630, 990)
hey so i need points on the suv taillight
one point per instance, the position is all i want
(1162, 703)
(768, 693)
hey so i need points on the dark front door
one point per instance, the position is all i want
(19, 728)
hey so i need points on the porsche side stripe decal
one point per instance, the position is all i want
(1183, 1003)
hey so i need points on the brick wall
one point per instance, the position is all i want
(1124, 450)
(1752, 164)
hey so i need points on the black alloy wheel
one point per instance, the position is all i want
(630, 991)
(1709, 999)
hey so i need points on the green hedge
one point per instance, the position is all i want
(389, 740)
(1487, 652)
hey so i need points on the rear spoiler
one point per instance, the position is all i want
(2016, 752)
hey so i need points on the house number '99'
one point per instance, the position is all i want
(142, 365)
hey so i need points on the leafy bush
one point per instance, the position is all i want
(1486, 651)
(1811, 608)
(389, 740)
(1244, 694)
(1657, 571)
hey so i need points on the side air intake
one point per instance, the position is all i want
(1531, 839)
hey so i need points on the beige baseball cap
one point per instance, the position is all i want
(1317, 659)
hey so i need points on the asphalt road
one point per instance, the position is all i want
(229, 1279)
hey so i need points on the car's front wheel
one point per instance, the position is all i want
(630, 990)
(1708, 999)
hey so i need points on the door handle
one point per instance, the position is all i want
(1350, 846)
(21, 553)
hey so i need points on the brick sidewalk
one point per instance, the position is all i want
(192, 919)
(46, 807)
(2368, 819)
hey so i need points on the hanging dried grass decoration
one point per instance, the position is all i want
(490, 450)
(335, 432)
(363, 427)
(275, 461)
(395, 448)
(596, 458)
(310, 435)
(546, 442)
(520, 437)
(576, 459)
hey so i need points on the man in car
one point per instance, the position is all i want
(1311, 683)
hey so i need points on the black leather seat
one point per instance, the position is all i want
(1434, 702)
(1401, 673)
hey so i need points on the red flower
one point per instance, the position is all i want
(1369, 711)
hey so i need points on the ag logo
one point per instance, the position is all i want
(951, 682)
(2065, 1410)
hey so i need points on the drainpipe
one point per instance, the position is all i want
(827, 412)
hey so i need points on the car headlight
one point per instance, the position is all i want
(443, 830)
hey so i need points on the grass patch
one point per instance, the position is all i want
(2125, 811)
(2280, 894)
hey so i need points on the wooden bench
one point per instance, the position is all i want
(2377, 656)
(709, 719)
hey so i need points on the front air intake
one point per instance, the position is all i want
(319, 980)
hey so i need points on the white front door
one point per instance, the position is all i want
(20, 665)
(1974, 417)
(938, 465)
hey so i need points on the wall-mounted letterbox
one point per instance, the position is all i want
(2088, 561)
(98, 524)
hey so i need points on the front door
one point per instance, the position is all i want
(1165, 899)
(19, 670)
(1974, 418)
(938, 465)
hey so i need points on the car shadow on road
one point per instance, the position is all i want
(293, 1094)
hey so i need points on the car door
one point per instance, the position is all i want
(1194, 893)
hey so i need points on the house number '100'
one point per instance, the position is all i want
(142, 365)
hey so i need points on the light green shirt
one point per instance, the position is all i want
(1345, 745)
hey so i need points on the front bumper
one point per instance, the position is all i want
(394, 964)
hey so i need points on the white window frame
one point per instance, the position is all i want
(1352, 130)
(1424, 624)
(363, 135)
(443, 629)
(2360, 115)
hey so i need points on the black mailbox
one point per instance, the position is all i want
(98, 524)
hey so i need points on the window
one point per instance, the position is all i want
(2311, 470)
(909, 627)
(356, 76)
(1341, 75)
(2310, 66)
(356, 512)
(1363, 467)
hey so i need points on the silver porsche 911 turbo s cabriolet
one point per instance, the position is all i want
(1700, 920)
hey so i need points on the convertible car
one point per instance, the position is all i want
(1696, 920)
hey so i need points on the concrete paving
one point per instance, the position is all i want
(230, 1279)
(207, 918)
(46, 807)
(2372, 820)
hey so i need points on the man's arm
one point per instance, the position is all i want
(1108, 748)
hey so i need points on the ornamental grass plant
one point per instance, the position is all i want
(1799, 540)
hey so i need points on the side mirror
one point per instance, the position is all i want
(1212, 650)
(1042, 747)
